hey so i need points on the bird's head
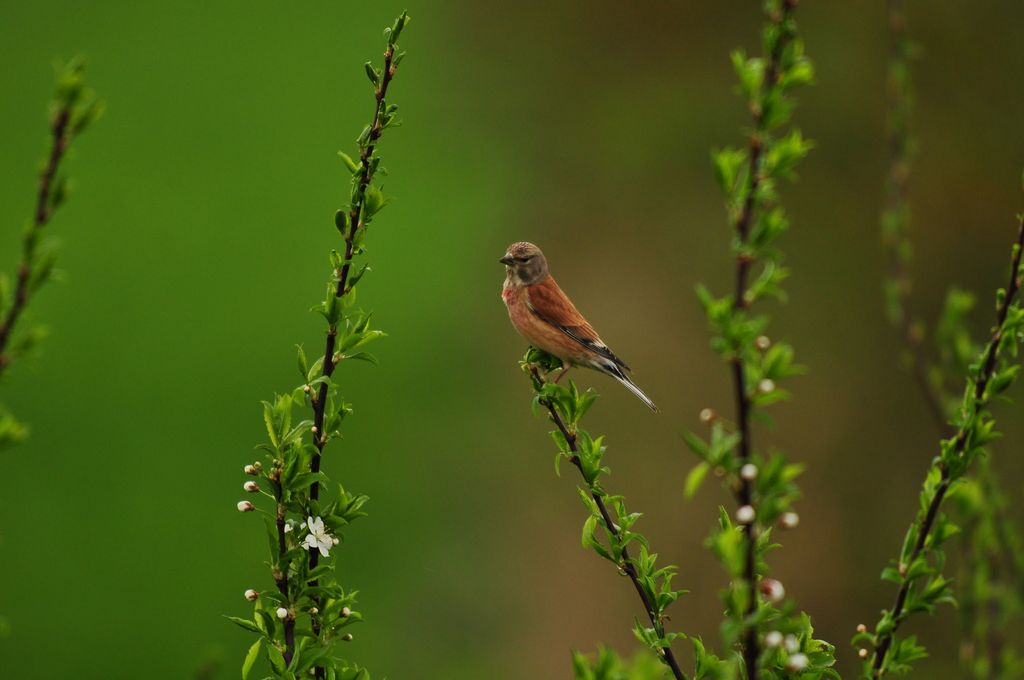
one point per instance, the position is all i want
(525, 264)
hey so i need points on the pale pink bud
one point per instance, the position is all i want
(773, 639)
(251, 487)
(282, 613)
(749, 472)
(251, 470)
(245, 506)
(345, 612)
(707, 415)
(772, 590)
(862, 653)
(790, 520)
(765, 386)
(797, 662)
(251, 595)
(745, 514)
(762, 343)
(791, 644)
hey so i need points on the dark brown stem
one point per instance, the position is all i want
(985, 372)
(355, 222)
(743, 224)
(613, 528)
(22, 292)
(281, 579)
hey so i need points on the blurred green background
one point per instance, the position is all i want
(196, 240)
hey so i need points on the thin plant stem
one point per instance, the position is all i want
(926, 522)
(60, 139)
(744, 494)
(627, 565)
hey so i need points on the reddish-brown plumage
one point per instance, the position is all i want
(539, 309)
(546, 317)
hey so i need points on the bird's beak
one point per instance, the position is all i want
(507, 260)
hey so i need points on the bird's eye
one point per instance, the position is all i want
(522, 260)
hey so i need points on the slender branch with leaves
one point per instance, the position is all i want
(73, 109)
(300, 623)
(608, 529)
(765, 629)
(989, 592)
(918, 571)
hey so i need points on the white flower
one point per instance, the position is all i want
(318, 536)
(288, 526)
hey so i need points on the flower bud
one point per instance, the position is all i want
(773, 639)
(861, 628)
(762, 343)
(251, 595)
(347, 637)
(797, 662)
(765, 386)
(307, 389)
(282, 613)
(250, 470)
(245, 506)
(791, 644)
(335, 540)
(745, 514)
(748, 472)
(707, 415)
(862, 653)
(313, 429)
(790, 520)
(314, 611)
(345, 612)
(258, 465)
(251, 487)
(772, 590)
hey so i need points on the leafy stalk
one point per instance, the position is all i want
(770, 636)
(565, 407)
(301, 623)
(73, 109)
(921, 560)
(989, 595)
(896, 213)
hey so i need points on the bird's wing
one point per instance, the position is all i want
(552, 306)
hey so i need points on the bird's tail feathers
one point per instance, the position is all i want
(615, 371)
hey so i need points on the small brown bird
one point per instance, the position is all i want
(546, 317)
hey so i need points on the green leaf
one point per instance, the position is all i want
(244, 623)
(250, 658)
(694, 479)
